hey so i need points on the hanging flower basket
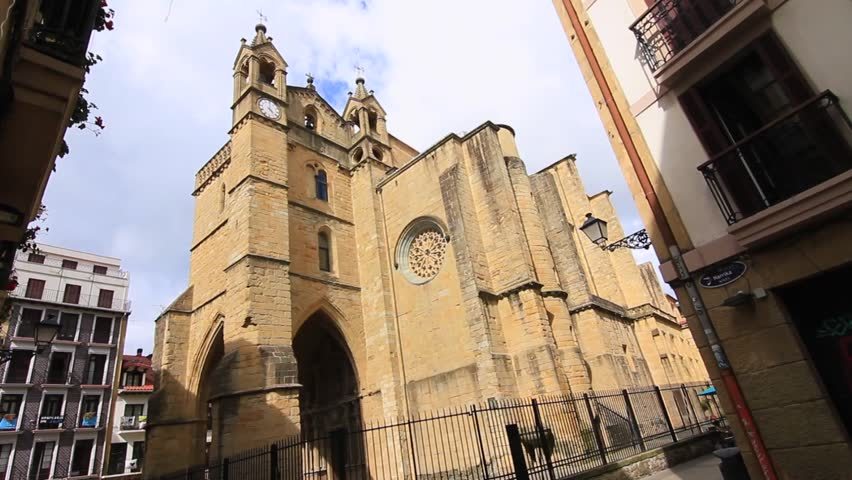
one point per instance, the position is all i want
(11, 284)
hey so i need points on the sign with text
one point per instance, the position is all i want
(722, 275)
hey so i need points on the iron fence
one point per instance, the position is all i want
(549, 438)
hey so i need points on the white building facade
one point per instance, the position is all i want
(130, 415)
(55, 404)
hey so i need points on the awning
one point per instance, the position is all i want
(711, 390)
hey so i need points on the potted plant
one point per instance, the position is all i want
(12, 283)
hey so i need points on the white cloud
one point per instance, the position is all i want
(164, 90)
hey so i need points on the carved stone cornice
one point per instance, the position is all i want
(213, 168)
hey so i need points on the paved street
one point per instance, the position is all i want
(702, 468)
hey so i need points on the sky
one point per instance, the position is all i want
(164, 90)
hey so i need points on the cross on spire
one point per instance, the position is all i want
(261, 17)
(359, 71)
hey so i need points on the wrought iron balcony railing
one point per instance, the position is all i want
(63, 28)
(797, 151)
(669, 26)
(134, 422)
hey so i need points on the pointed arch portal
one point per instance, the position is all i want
(329, 399)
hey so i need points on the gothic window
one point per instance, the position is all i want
(267, 72)
(355, 122)
(324, 249)
(377, 154)
(321, 181)
(222, 194)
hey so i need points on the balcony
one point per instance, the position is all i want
(50, 422)
(63, 29)
(134, 423)
(58, 296)
(789, 157)
(669, 26)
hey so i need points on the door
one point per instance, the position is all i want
(822, 312)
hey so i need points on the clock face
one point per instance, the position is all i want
(269, 109)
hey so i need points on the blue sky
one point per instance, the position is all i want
(164, 90)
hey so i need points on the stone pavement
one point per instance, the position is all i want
(702, 468)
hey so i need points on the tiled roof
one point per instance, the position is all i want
(141, 388)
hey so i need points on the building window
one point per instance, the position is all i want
(96, 371)
(10, 411)
(321, 180)
(57, 371)
(29, 319)
(133, 379)
(99, 269)
(35, 288)
(89, 411)
(134, 409)
(51, 412)
(70, 264)
(117, 456)
(18, 370)
(223, 193)
(72, 294)
(138, 456)
(267, 72)
(5, 453)
(68, 326)
(373, 119)
(105, 298)
(42, 460)
(81, 460)
(35, 258)
(324, 249)
(103, 327)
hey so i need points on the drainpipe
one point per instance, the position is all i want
(728, 376)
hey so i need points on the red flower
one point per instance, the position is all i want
(108, 25)
(99, 121)
(103, 3)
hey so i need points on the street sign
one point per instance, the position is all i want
(722, 275)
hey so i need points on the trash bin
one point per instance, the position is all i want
(732, 466)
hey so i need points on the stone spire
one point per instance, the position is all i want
(260, 35)
(360, 91)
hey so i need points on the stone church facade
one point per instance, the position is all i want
(339, 275)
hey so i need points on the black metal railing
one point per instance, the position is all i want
(801, 149)
(63, 28)
(558, 437)
(669, 26)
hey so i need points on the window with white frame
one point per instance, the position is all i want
(96, 373)
(19, 366)
(5, 459)
(90, 407)
(68, 325)
(10, 411)
(41, 460)
(81, 457)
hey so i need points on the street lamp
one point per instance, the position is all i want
(44, 333)
(595, 229)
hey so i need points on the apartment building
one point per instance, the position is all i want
(130, 415)
(55, 403)
(728, 120)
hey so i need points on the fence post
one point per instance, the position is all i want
(596, 428)
(479, 440)
(273, 462)
(665, 412)
(690, 406)
(517, 451)
(338, 454)
(542, 439)
(225, 468)
(634, 422)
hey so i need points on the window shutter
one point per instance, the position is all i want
(703, 122)
(105, 298)
(35, 288)
(783, 67)
(72, 294)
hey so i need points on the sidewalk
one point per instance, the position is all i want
(702, 468)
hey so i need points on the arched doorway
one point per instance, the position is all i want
(329, 400)
(205, 431)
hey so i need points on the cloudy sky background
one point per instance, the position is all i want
(164, 90)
